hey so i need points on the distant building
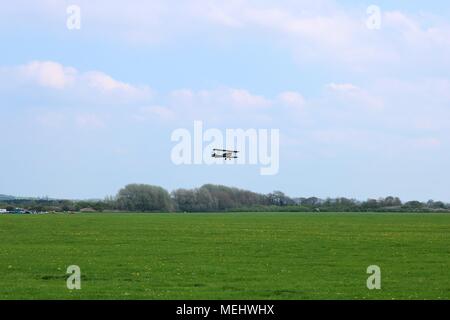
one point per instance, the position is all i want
(3, 211)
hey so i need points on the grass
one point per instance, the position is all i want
(225, 256)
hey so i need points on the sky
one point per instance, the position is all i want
(361, 101)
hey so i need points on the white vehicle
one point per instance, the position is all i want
(3, 211)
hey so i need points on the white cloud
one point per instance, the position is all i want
(218, 98)
(243, 98)
(348, 112)
(292, 98)
(48, 74)
(104, 82)
(74, 84)
(413, 33)
(107, 84)
(214, 12)
(352, 95)
(320, 31)
(221, 105)
(331, 34)
(182, 96)
(294, 103)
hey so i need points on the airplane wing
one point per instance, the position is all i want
(223, 150)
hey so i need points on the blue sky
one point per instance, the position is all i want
(362, 113)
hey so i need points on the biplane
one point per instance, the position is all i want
(226, 154)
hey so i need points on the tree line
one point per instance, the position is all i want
(216, 198)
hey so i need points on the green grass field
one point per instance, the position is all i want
(225, 256)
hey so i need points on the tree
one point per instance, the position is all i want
(435, 204)
(278, 198)
(205, 200)
(413, 205)
(194, 200)
(370, 204)
(141, 197)
(312, 201)
(391, 202)
(184, 199)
